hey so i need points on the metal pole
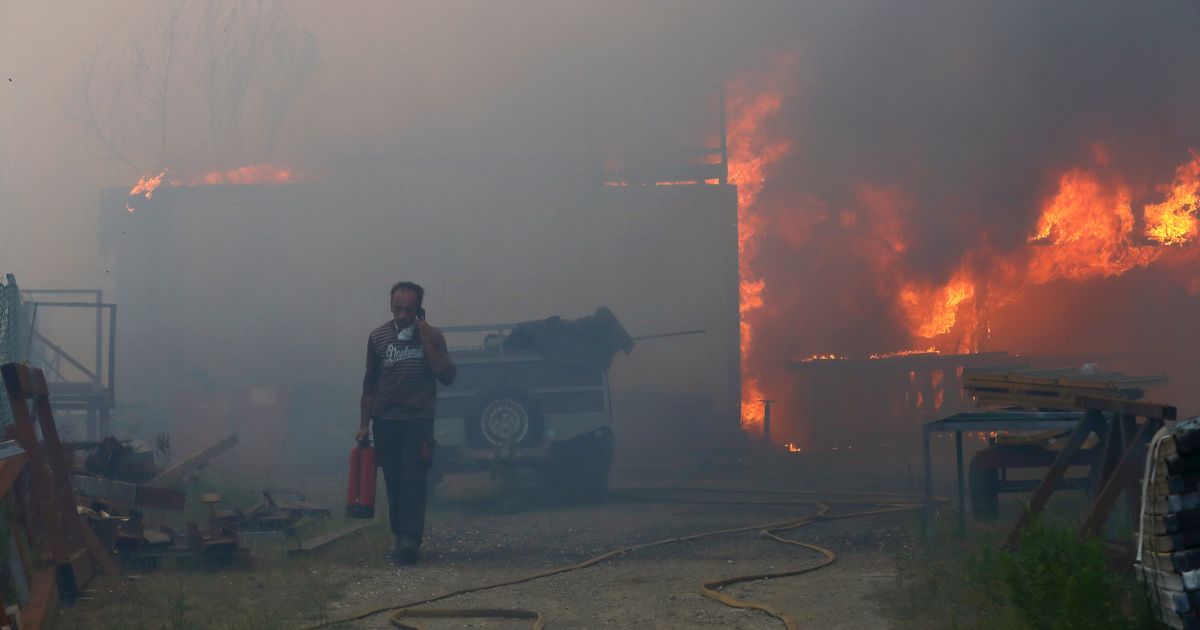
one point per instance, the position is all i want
(928, 486)
(767, 420)
(724, 142)
(112, 355)
(962, 507)
(99, 381)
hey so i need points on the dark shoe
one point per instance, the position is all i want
(404, 554)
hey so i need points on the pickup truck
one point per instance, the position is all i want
(533, 395)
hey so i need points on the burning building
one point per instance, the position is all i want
(931, 189)
(246, 293)
(939, 191)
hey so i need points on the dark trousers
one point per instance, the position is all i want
(404, 450)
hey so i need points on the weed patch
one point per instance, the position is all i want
(1053, 580)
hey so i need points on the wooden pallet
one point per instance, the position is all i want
(1052, 389)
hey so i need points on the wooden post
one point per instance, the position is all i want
(1091, 421)
(1121, 479)
(767, 421)
(962, 502)
(72, 545)
(929, 513)
(18, 387)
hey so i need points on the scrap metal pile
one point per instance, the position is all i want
(118, 483)
(1169, 542)
(73, 516)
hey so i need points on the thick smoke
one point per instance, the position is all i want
(920, 132)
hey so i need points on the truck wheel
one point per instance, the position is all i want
(498, 415)
(579, 467)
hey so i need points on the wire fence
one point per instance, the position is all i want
(12, 336)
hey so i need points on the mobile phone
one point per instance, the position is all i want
(420, 313)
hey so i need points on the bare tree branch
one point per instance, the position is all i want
(80, 107)
(247, 60)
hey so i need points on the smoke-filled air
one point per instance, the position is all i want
(599, 255)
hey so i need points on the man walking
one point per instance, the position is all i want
(406, 359)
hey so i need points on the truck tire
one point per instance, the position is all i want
(498, 413)
(579, 467)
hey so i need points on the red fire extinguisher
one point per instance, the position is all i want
(360, 496)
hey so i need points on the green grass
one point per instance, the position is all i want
(1053, 580)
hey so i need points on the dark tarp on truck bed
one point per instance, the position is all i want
(590, 341)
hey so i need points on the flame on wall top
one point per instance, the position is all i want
(252, 174)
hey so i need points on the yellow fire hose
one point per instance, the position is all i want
(885, 502)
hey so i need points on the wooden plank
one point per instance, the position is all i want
(1090, 422)
(323, 543)
(100, 554)
(10, 469)
(17, 381)
(1179, 561)
(973, 372)
(1042, 383)
(15, 378)
(178, 471)
(1110, 456)
(1127, 407)
(1157, 379)
(1052, 404)
(1131, 463)
(1172, 522)
(1061, 378)
(1106, 377)
(60, 471)
(81, 572)
(42, 608)
(129, 493)
(1066, 393)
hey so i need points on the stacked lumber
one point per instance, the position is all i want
(1170, 532)
(1052, 389)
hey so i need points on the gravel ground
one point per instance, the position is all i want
(472, 542)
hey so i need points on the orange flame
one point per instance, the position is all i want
(1086, 230)
(932, 311)
(822, 357)
(147, 184)
(253, 174)
(905, 353)
(1086, 227)
(1174, 221)
(752, 150)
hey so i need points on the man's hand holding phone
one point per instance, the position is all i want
(429, 335)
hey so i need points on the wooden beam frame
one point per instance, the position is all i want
(1092, 421)
(73, 550)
